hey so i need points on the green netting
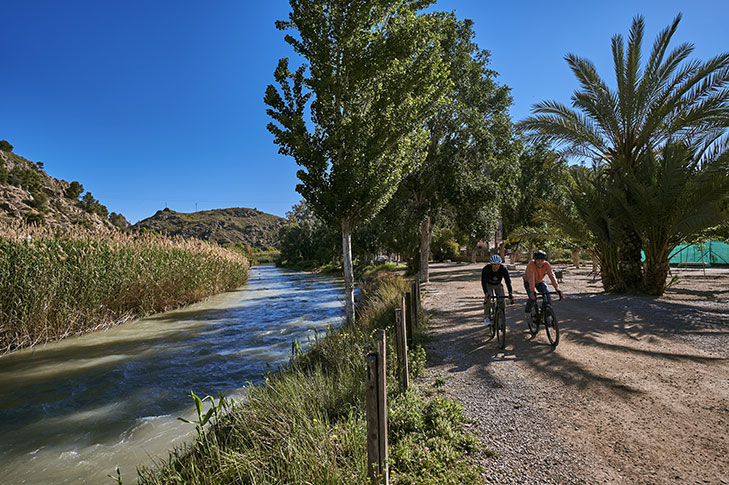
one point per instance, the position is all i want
(712, 252)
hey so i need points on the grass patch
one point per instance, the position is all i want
(306, 422)
(55, 284)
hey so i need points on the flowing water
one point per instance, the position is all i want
(72, 411)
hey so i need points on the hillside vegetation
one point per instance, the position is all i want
(29, 194)
(223, 226)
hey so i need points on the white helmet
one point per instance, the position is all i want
(496, 259)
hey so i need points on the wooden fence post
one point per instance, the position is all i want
(376, 408)
(373, 449)
(402, 350)
(408, 315)
(416, 301)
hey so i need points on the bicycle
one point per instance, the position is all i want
(497, 318)
(545, 316)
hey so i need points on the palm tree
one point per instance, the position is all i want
(588, 220)
(671, 199)
(670, 98)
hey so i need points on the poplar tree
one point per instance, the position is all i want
(352, 115)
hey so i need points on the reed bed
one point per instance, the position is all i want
(305, 423)
(55, 283)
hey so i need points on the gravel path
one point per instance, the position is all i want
(636, 392)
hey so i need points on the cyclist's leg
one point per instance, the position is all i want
(497, 290)
(543, 288)
(529, 301)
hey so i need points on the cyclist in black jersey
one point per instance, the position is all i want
(491, 276)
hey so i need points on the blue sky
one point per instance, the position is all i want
(154, 104)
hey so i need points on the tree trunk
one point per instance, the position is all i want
(576, 257)
(348, 271)
(657, 266)
(426, 233)
(655, 277)
(630, 266)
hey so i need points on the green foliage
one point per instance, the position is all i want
(74, 190)
(444, 245)
(203, 418)
(470, 164)
(373, 78)
(35, 218)
(119, 220)
(56, 284)
(39, 200)
(26, 178)
(6, 146)
(427, 444)
(93, 206)
(306, 240)
(542, 177)
(374, 101)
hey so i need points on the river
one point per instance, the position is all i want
(74, 410)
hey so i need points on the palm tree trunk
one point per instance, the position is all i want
(630, 267)
(655, 278)
(348, 271)
(657, 252)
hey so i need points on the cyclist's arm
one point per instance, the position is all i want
(483, 282)
(550, 273)
(531, 274)
(507, 279)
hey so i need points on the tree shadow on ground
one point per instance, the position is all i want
(585, 319)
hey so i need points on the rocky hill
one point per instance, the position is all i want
(223, 226)
(28, 193)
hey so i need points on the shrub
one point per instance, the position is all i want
(39, 200)
(74, 190)
(444, 246)
(119, 220)
(93, 206)
(6, 146)
(34, 218)
(25, 178)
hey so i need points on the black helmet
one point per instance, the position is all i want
(539, 254)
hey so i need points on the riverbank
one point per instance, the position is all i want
(75, 409)
(635, 393)
(60, 283)
(306, 422)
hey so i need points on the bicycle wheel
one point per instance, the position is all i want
(550, 325)
(501, 328)
(490, 328)
(533, 320)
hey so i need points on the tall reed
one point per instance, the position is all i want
(56, 283)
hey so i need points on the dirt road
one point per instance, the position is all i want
(636, 392)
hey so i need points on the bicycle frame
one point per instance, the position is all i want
(497, 318)
(541, 309)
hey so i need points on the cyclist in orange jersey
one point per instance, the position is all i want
(534, 275)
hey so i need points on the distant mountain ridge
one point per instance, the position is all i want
(223, 226)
